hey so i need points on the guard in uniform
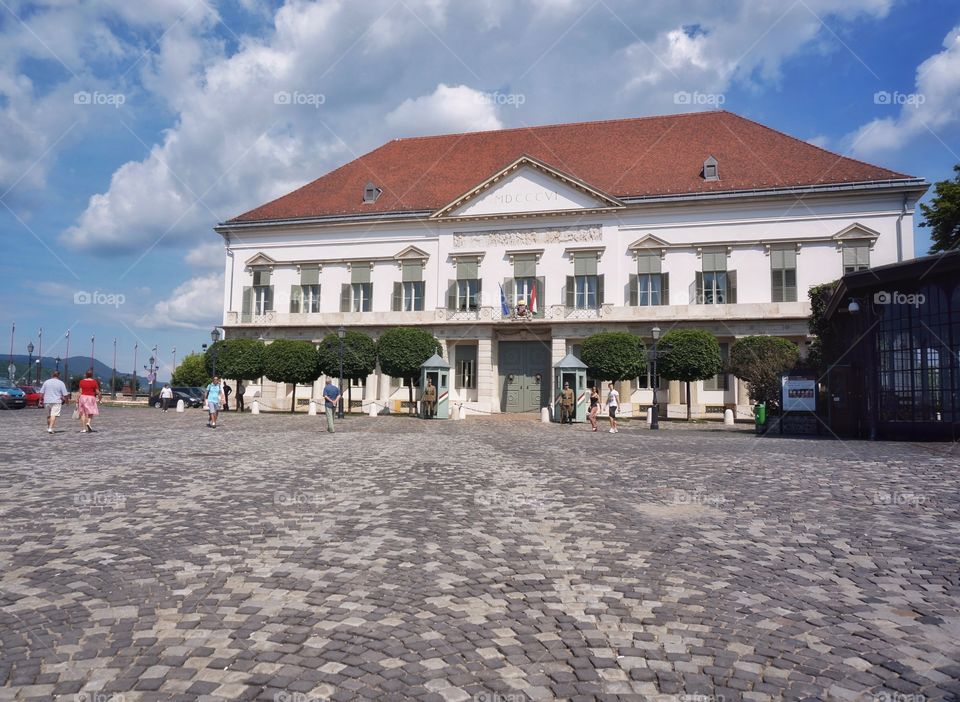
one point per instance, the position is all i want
(566, 405)
(429, 400)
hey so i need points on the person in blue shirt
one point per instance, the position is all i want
(331, 393)
(214, 401)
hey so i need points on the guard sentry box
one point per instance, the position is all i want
(574, 371)
(438, 371)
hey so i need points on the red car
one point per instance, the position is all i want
(34, 398)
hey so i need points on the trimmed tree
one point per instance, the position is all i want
(614, 355)
(289, 361)
(191, 371)
(237, 359)
(402, 350)
(942, 215)
(822, 347)
(688, 355)
(359, 357)
(759, 361)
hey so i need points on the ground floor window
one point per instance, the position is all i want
(465, 356)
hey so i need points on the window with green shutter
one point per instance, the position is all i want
(856, 256)
(783, 274)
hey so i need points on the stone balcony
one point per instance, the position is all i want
(552, 314)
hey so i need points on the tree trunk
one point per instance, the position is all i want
(293, 400)
(349, 396)
(413, 407)
(689, 403)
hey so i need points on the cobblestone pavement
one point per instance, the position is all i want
(496, 560)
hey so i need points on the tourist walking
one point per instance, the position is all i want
(54, 395)
(240, 391)
(214, 397)
(613, 404)
(331, 393)
(226, 397)
(166, 394)
(594, 407)
(88, 404)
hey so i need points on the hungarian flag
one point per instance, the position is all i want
(533, 301)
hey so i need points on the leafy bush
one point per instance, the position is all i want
(191, 371)
(759, 361)
(237, 359)
(688, 355)
(614, 355)
(288, 361)
(402, 350)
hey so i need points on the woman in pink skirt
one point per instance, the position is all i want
(87, 404)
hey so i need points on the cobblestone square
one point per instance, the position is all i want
(494, 560)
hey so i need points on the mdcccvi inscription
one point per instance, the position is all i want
(527, 237)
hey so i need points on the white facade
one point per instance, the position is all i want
(531, 211)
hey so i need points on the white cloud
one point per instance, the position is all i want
(455, 108)
(931, 106)
(196, 304)
(209, 254)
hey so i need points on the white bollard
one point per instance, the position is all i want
(255, 407)
(373, 409)
(728, 416)
(463, 412)
(649, 415)
(313, 409)
(179, 405)
(544, 415)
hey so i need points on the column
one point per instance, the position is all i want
(486, 377)
(696, 408)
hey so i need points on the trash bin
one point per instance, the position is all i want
(760, 416)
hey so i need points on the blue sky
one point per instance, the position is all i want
(117, 194)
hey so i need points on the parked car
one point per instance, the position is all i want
(11, 397)
(34, 398)
(178, 394)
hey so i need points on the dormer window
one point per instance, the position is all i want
(370, 193)
(711, 171)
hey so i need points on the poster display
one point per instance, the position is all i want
(798, 394)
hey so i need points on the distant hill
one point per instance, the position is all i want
(78, 365)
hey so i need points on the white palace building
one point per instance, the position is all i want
(704, 220)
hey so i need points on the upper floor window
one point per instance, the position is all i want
(463, 294)
(408, 295)
(649, 286)
(258, 298)
(584, 288)
(305, 297)
(856, 256)
(357, 295)
(714, 284)
(525, 285)
(783, 275)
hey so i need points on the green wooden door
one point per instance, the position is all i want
(524, 368)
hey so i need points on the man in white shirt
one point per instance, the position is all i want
(54, 395)
(165, 396)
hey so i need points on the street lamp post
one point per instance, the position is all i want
(58, 364)
(113, 371)
(29, 360)
(341, 333)
(214, 337)
(152, 372)
(174, 368)
(655, 420)
(66, 359)
(39, 354)
(133, 380)
(92, 344)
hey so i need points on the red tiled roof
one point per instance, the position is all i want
(646, 156)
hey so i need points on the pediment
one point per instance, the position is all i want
(527, 186)
(260, 259)
(856, 231)
(648, 242)
(411, 253)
